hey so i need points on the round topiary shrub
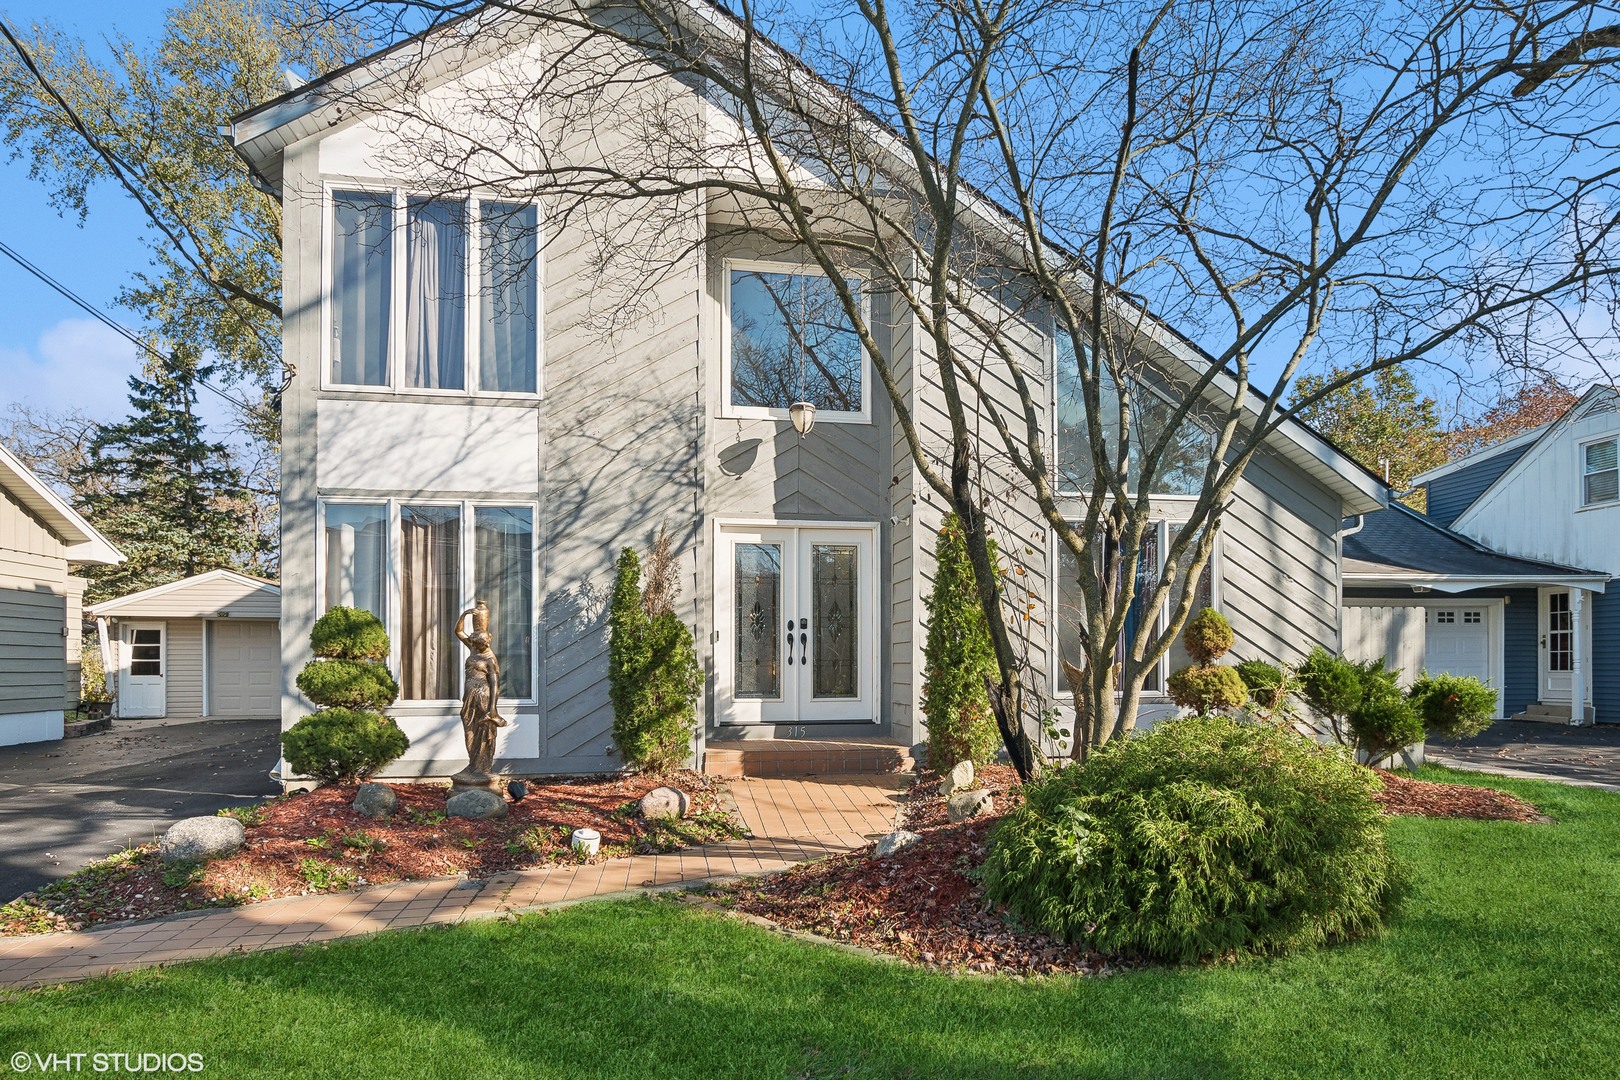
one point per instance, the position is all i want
(347, 633)
(1207, 689)
(1204, 837)
(1207, 636)
(342, 745)
(349, 684)
(1454, 706)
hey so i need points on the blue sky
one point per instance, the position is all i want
(51, 353)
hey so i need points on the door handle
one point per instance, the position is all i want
(804, 645)
(790, 642)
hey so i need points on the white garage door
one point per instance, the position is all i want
(244, 668)
(1458, 642)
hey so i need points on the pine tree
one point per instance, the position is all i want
(957, 658)
(166, 497)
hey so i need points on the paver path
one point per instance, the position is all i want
(793, 820)
(1584, 756)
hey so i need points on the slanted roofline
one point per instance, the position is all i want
(85, 546)
(120, 603)
(260, 134)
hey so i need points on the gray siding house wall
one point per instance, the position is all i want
(630, 433)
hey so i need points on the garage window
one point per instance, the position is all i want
(146, 652)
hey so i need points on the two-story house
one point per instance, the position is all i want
(1506, 575)
(463, 423)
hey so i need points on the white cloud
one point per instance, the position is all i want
(81, 363)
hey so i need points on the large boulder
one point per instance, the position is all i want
(475, 803)
(665, 802)
(893, 842)
(969, 804)
(197, 839)
(375, 800)
(960, 778)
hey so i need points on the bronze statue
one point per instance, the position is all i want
(479, 717)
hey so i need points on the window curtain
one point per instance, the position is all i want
(503, 577)
(508, 357)
(356, 557)
(430, 600)
(362, 257)
(435, 288)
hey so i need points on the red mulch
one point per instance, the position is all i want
(315, 842)
(922, 906)
(1403, 795)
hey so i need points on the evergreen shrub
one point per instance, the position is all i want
(957, 659)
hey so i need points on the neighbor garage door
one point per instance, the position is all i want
(1458, 642)
(244, 668)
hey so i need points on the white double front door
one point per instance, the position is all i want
(796, 617)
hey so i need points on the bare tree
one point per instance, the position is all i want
(1192, 200)
(54, 444)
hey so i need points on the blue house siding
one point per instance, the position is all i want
(1455, 492)
(1606, 656)
(1521, 642)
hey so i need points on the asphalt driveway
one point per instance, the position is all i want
(63, 804)
(1585, 756)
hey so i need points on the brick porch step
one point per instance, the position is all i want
(806, 757)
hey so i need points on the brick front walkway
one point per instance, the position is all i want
(793, 820)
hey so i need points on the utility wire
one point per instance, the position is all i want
(113, 324)
(123, 172)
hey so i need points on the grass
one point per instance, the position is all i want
(1504, 963)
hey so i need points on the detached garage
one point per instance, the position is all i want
(208, 645)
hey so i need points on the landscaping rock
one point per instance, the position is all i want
(894, 842)
(969, 804)
(958, 779)
(475, 803)
(665, 802)
(375, 800)
(197, 839)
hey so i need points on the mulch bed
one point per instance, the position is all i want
(1406, 796)
(923, 906)
(315, 842)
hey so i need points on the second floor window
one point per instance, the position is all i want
(402, 273)
(1601, 469)
(790, 340)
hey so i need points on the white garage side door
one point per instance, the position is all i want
(1459, 642)
(244, 668)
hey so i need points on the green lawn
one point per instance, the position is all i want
(1506, 962)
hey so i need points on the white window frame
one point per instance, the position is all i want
(728, 411)
(1055, 449)
(399, 199)
(1583, 474)
(1059, 687)
(392, 574)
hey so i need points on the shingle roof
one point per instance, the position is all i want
(1402, 542)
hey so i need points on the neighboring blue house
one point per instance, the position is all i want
(1506, 576)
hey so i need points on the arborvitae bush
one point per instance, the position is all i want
(1454, 706)
(1206, 686)
(1204, 837)
(957, 658)
(349, 738)
(653, 673)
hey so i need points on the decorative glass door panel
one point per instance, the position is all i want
(797, 625)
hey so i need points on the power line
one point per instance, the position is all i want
(111, 323)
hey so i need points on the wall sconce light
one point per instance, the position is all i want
(804, 417)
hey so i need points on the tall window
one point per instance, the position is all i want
(503, 577)
(356, 556)
(448, 555)
(423, 340)
(1149, 563)
(1181, 470)
(435, 294)
(791, 340)
(1601, 469)
(362, 262)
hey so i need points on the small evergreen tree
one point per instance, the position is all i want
(653, 672)
(348, 737)
(1205, 686)
(957, 659)
(166, 497)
